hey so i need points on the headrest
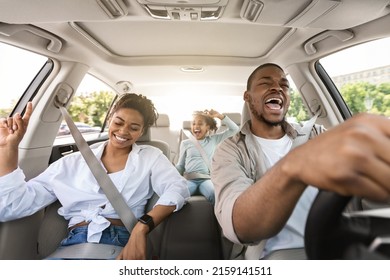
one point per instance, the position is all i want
(146, 137)
(163, 120)
(245, 114)
(235, 117)
(187, 124)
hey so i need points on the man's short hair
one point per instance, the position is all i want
(251, 76)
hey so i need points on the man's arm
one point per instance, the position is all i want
(263, 209)
(350, 159)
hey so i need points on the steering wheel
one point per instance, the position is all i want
(329, 234)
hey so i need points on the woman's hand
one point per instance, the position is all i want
(135, 248)
(12, 129)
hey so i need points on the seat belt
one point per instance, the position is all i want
(105, 182)
(198, 146)
(196, 175)
(90, 251)
(304, 132)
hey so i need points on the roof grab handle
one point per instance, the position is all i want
(9, 30)
(342, 35)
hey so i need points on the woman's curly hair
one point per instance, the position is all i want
(139, 103)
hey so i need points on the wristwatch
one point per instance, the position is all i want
(147, 220)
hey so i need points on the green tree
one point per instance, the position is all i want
(384, 87)
(382, 100)
(91, 108)
(297, 110)
(358, 95)
(367, 97)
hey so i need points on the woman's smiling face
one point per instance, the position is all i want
(126, 126)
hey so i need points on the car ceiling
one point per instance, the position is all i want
(120, 41)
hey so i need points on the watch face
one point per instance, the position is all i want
(146, 219)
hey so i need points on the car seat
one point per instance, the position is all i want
(235, 117)
(163, 131)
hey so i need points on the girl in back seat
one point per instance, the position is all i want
(197, 151)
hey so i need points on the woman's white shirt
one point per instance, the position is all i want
(70, 181)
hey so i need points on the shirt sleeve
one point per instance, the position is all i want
(169, 185)
(230, 179)
(232, 128)
(231, 125)
(19, 198)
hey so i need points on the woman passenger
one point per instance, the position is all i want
(137, 171)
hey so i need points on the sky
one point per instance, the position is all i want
(15, 76)
(359, 58)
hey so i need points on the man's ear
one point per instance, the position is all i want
(245, 97)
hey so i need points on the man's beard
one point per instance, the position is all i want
(261, 118)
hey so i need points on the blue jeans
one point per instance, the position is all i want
(202, 186)
(113, 235)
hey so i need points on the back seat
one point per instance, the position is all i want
(235, 117)
(186, 126)
(163, 131)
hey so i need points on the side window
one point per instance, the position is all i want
(297, 112)
(362, 76)
(89, 106)
(18, 68)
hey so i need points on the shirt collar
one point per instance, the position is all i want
(98, 149)
(290, 130)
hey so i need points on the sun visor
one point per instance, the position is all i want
(325, 14)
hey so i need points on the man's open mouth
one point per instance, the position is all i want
(274, 103)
